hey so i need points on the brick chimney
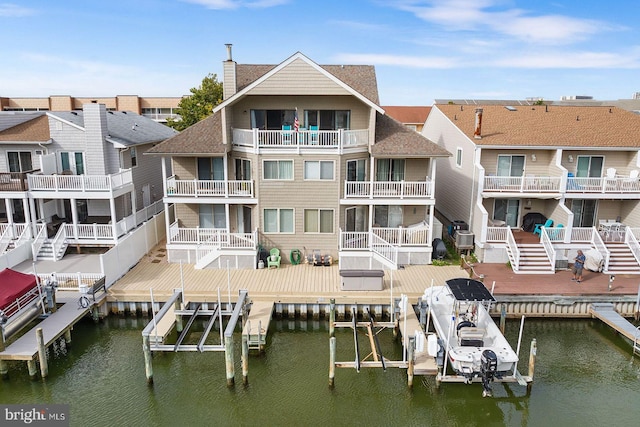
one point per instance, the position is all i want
(477, 132)
(229, 85)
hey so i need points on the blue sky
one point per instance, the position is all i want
(422, 49)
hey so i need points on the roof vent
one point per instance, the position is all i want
(510, 108)
(74, 113)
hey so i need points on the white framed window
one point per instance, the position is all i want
(212, 216)
(19, 161)
(277, 170)
(318, 220)
(459, 157)
(72, 161)
(134, 157)
(279, 220)
(318, 169)
(356, 170)
(390, 170)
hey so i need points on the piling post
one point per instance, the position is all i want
(2, 346)
(42, 353)
(245, 359)
(67, 337)
(423, 312)
(332, 361)
(148, 366)
(178, 306)
(503, 317)
(412, 345)
(4, 370)
(637, 313)
(228, 357)
(332, 317)
(33, 369)
(532, 363)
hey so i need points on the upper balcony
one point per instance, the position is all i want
(80, 183)
(198, 188)
(400, 190)
(522, 184)
(338, 140)
(14, 181)
(607, 184)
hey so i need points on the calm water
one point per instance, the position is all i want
(585, 375)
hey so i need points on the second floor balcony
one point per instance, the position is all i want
(80, 183)
(522, 184)
(309, 139)
(14, 181)
(209, 188)
(388, 189)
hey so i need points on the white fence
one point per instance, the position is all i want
(57, 183)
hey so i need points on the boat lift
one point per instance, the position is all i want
(171, 314)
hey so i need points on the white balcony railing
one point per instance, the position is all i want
(208, 188)
(38, 182)
(403, 236)
(522, 184)
(341, 138)
(212, 237)
(388, 189)
(603, 185)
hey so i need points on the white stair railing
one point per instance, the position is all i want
(59, 241)
(514, 250)
(632, 242)
(384, 249)
(41, 237)
(598, 243)
(548, 247)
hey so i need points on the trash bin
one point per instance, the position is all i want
(439, 249)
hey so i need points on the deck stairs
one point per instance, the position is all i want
(533, 259)
(46, 251)
(621, 260)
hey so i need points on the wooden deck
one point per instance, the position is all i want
(256, 327)
(424, 364)
(300, 284)
(606, 313)
(53, 327)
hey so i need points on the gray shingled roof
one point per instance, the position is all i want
(9, 119)
(396, 140)
(124, 127)
(361, 78)
(204, 137)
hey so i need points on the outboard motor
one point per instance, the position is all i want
(488, 369)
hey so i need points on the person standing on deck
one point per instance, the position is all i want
(578, 266)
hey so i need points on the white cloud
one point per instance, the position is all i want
(360, 26)
(571, 60)
(11, 10)
(492, 17)
(236, 4)
(436, 62)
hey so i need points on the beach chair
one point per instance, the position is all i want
(538, 228)
(274, 258)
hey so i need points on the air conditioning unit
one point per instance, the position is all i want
(464, 239)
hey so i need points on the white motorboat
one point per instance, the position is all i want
(472, 343)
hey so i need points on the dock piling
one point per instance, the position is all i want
(245, 359)
(148, 366)
(503, 318)
(228, 357)
(412, 346)
(42, 353)
(67, 337)
(33, 369)
(4, 370)
(332, 361)
(532, 362)
(332, 317)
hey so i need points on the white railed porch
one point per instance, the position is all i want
(208, 188)
(388, 189)
(523, 184)
(72, 281)
(59, 183)
(89, 233)
(603, 185)
(555, 234)
(341, 138)
(211, 237)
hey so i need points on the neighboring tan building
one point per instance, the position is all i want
(576, 166)
(158, 109)
(300, 156)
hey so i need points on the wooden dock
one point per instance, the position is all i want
(606, 313)
(424, 364)
(164, 326)
(53, 327)
(257, 325)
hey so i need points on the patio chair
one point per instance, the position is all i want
(313, 135)
(286, 134)
(274, 258)
(538, 228)
(554, 233)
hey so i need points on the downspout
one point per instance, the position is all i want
(474, 197)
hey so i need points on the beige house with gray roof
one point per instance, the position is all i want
(518, 166)
(300, 157)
